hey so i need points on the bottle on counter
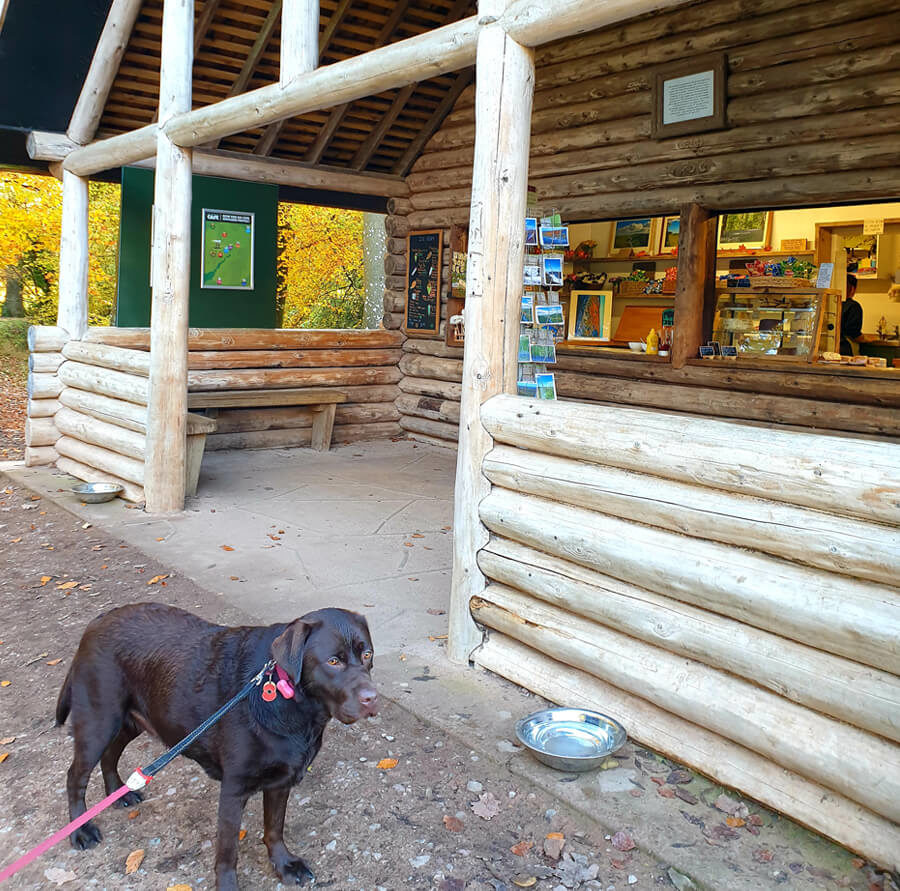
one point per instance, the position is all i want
(665, 342)
(653, 343)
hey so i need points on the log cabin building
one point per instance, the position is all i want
(705, 547)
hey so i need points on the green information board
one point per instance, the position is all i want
(227, 249)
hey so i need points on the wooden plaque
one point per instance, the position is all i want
(689, 97)
(423, 281)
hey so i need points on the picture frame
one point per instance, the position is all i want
(689, 97)
(749, 229)
(552, 270)
(636, 234)
(553, 236)
(531, 232)
(590, 317)
(669, 233)
(422, 312)
(227, 249)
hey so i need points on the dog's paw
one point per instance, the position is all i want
(295, 872)
(86, 836)
(131, 798)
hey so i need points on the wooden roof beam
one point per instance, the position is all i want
(204, 21)
(104, 66)
(367, 149)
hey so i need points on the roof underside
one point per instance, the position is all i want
(238, 50)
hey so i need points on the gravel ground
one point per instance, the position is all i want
(358, 825)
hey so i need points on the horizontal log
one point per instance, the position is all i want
(815, 470)
(443, 389)
(395, 264)
(393, 321)
(396, 226)
(730, 706)
(394, 301)
(818, 382)
(47, 145)
(296, 437)
(281, 358)
(434, 409)
(849, 617)
(87, 428)
(398, 245)
(46, 338)
(41, 408)
(432, 348)
(848, 691)
(104, 460)
(397, 206)
(437, 429)
(726, 762)
(347, 433)
(432, 440)
(43, 385)
(44, 362)
(130, 415)
(41, 431)
(730, 404)
(81, 471)
(118, 358)
(255, 338)
(262, 378)
(39, 456)
(395, 283)
(105, 381)
(824, 540)
(431, 367)
(246, 419)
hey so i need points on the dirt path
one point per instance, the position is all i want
(360, 827)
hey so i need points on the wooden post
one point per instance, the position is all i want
(299, 38)
(505, 86)
(72, 313)
(695, 291)
(104, 67)
(164, 474)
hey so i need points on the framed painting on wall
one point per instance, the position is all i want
(590, 317)
(750, 230)
(670, 232)
(633, 235)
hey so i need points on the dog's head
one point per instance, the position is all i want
(328, 655)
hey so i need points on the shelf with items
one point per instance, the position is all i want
(720, 255)
(777, 323)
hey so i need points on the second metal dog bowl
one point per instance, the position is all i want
(95, 493)
(570, 739)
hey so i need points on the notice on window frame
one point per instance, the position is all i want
(689, 97)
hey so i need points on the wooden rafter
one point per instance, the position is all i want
(258, 48)
(367, 149)
(204, 20)
(463, 79)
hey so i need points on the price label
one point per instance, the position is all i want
(873, 227)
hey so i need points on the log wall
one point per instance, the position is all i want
(813, 107)
(45, 344)
(728, 591)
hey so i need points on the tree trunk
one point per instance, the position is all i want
(13, 308)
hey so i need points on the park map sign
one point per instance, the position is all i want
(227, 250)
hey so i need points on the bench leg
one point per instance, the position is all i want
(195, 444)
(322, 426)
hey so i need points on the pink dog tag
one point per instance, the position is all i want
(285, 687)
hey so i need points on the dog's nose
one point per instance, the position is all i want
(368, 698)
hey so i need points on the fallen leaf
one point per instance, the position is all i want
(44, 580)
(157, 578)
(179, 888)
(3, 756)
(763, 855)
(160, 539)
(97, 548)
(387, 763)
(635, 793)
(54, 662)
(523, 881)
(679, 777)
(725, 804)
(554, 844)
(59, 876)
(133, 861)
(666, 791)
(17, 540)
(242, 835)
(520, 850)
(720, 832)
(609, 763)
(856, 862)
(105, 566)
(658, 780)
(622, 841)
(35, 497)
(417, 535)
(437, 612)
(234, 578)
(452, 884)
(274, 537)
(133, 814)
(684, 795)
(407, 544)
(7, 740)
(67, 586)
(618, 862)
(734, 822)
(434, 637)
(486, 807)
(227, 547)
(453, 824)
(5, 683)
(755, 820)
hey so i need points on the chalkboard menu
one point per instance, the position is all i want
(423, 281)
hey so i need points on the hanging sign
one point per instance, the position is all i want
(423, 281)
(873, 227)
(826, 272)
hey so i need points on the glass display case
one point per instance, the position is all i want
(771, 322)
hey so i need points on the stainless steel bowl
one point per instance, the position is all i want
(94, 493)
(570, 739)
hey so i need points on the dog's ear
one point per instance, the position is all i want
(287, 648)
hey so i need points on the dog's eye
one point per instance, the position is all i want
(334, 661)
(367, 655)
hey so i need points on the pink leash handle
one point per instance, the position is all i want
(136, 778)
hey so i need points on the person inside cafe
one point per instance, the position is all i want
(851, 319)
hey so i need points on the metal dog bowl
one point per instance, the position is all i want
(95, 493)
(570, 739)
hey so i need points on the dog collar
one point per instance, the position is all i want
(284, 685)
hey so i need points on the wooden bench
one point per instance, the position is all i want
(197, 429)
(322, 401)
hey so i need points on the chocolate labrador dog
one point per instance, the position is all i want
(157, 668)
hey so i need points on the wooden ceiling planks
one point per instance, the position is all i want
(237, 48)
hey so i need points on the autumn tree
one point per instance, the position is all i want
(30, 214)
(320, 266)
